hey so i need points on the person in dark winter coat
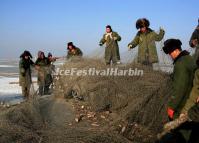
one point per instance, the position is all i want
(194, 95)
(25, 78)
(183, 75)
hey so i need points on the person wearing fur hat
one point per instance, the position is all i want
(183, 75)
(25, 78)
(111, 39)
(145, 39)
(194, 41)
(41, 66)
(73, 51)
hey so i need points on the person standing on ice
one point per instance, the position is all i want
(41, 66)
(25, 78)
(73, 51)
(49, 71)
(145, 39)
(194, 41)
(111, 39)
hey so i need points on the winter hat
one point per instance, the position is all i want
(70, 44)
(172, 44)
(108, 26)
(40, 53)
(26, 53)
(142, 22)
(49, 54)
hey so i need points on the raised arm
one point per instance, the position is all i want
(160, 36)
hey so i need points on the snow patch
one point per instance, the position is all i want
(7, 66)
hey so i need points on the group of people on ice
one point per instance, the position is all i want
(43, 65)
(184, 102)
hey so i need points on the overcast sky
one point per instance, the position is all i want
(49, 24)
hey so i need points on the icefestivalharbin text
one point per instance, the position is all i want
(99, 72)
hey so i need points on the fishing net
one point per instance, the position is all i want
(136, 99)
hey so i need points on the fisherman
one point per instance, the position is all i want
(194, 95)
(49, 72)
(25, 79)
(145, 39)
(111, 39)
(194, 41)
(73, 51)
(183, 74)
(41, 66)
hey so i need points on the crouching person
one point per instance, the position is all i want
(25, 79)
(73, 51)
(49, 72)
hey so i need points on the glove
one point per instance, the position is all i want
(130, 46)
(100, 44)
(115, 38)
(170, 112)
